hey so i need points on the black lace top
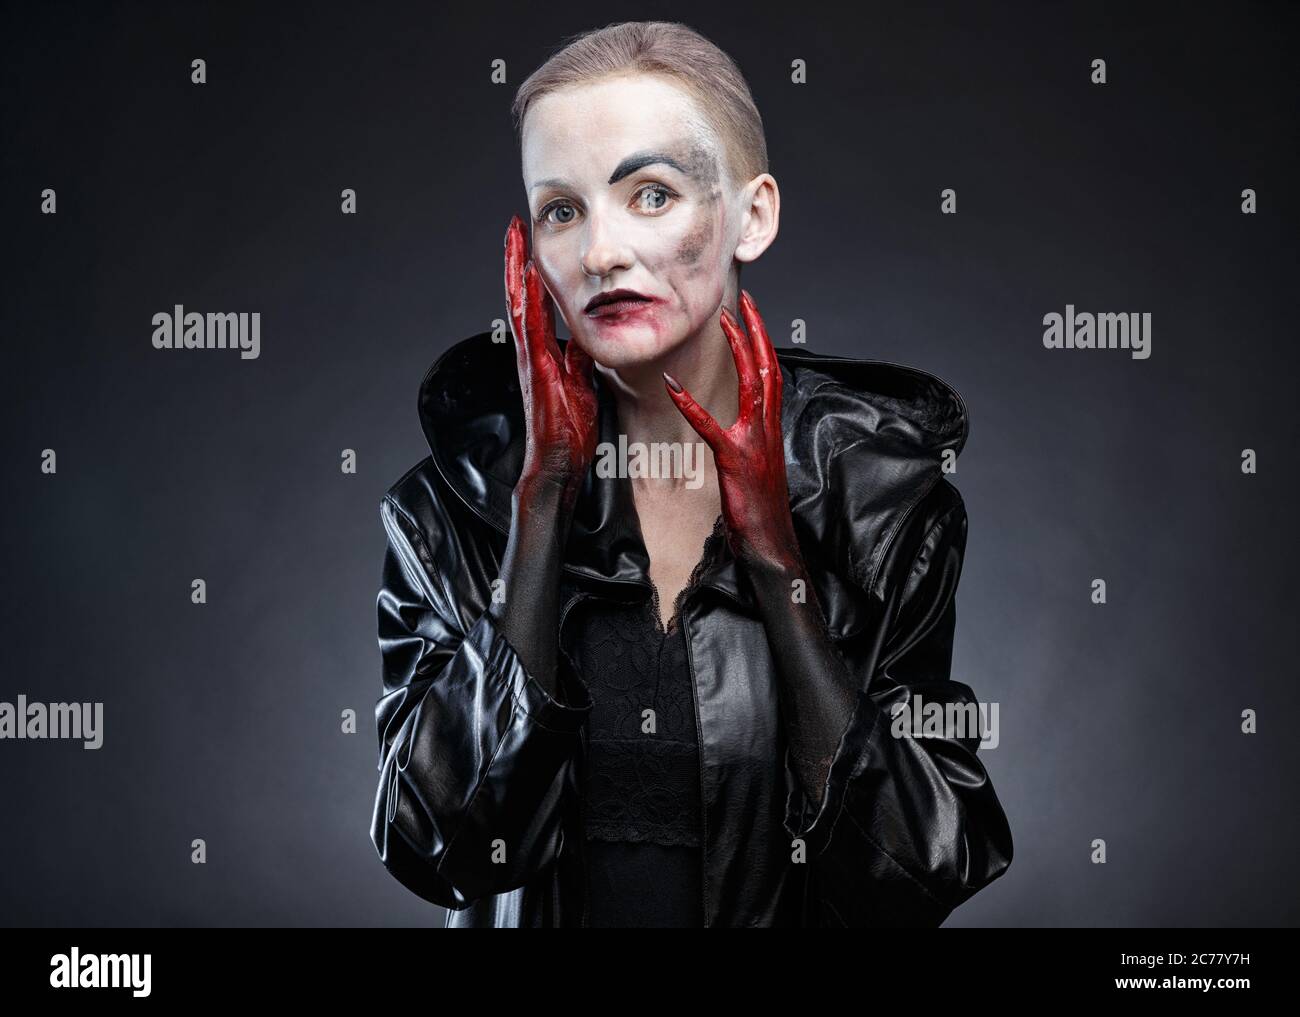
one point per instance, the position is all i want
(641, 786)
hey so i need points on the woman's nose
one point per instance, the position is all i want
(605, 250)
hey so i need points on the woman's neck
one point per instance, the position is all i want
(703, 364)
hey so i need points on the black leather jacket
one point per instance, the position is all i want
(478, 806)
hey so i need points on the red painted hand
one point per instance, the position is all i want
(558, 395)
(750, 454)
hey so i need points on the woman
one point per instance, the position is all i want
(554, 750)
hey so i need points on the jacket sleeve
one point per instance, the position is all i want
(908, 827)
(473, 752)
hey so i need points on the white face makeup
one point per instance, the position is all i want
(627, 190)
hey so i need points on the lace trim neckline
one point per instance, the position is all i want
(712, 544)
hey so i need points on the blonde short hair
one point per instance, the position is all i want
(668, 48)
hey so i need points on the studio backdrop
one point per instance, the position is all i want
(192, 541)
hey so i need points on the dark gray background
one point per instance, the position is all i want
(222, 722)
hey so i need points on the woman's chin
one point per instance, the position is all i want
(624, 347)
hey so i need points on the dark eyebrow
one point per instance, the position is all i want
(628, 166)
(635, 162)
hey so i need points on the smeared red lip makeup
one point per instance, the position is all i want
(613, 303)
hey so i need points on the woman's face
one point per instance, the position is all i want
(628, 190)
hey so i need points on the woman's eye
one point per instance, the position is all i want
(546, 212)
(651, 198)
(654, 189)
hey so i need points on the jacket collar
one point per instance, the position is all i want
(863, 440)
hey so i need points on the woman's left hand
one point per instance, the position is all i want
(750, 454)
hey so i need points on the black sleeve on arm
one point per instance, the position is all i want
(907, 827)
(473, 751)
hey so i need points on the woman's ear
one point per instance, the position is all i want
(760, 210)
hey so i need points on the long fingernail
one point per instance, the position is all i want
(672, 382)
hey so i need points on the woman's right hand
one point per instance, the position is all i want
(558, 394)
